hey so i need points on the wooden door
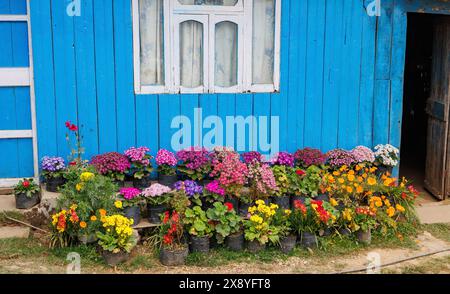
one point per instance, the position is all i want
(438, 156)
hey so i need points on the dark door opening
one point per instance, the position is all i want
(425, 105)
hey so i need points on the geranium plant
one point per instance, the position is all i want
(141, 165)
(113, 165)
(280, 173)
(224, 220)
(195, 163)
(26, 187)
(306, 157)
(260, 226)
(231, 174)
(311, 181)
(53, 167)
(116, 234)
(261, 180)
(166, 162)
(157, 194)
(197, 222)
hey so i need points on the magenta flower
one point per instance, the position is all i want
(129, 193)
(165, 157)
(309, 156)
(214, 187)
(252, 156)
(138, 155)
(284, 158)
(340, 157)
(111, 162)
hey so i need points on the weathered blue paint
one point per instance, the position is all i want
(341, 79)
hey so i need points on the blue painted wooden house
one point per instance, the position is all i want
(316, 73)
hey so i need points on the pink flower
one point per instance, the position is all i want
(214, 187)
(129, 193)
(165, 157)
(138, 155)
(156, 190)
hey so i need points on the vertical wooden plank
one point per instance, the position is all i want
(244, 138)
(314, 72)
(85, 77)
(226, 107)
(397, 73)
(208, 104)
(382, 74)
(349, 101)
(279, 101)
(123, 42)
(262, 109)
(41, 24)
(105, 75)
(16, 6)
(147, 121)
(169, 109)
(188, 104)
(333, 73)
(64, 72)
(366, 96)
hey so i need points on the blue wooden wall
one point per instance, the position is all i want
(341, 77)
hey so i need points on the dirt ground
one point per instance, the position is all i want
(294, 265)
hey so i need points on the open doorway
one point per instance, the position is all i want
(425, 127)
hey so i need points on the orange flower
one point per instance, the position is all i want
(93, 218)
(102, 212)
(371, 181)
(83, 225)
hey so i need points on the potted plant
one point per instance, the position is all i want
(87, 233)
(282, 194)
(364, 156)
(199, 229)
(193, 190)
(386, 158)
(252, 156)
(346, 221)
(231, 174)
(113, 165)
(129, 200)
(227, 225)
(141, 166)
(174, 250)
(337, 158)
(259, 229)
(65, 227)
(295, 188)
(284, 159)
(53, 172)
(288, 238)
(261, 181)
(311, 183)
(157, 197)
(213, 193)
(306, 157)
(27, 194)
(116, 239)
(195, 163)
(167, 163)
(345, 185)
(365, 221)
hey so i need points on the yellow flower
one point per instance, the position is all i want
(372, 169)
(287, 212)
(358, 167)
(343, 168)
(79, 186)
(371, 181)
(391, 211)
(93, 218)
(341, 180)
(349, 189)
(400, 208)
(351, 177)
(73, 206)
(333, 202)
(336, 173)
(83, 225)
(118, 204)
(388, 182)
(86, 176)
(331, 179)
(360, 179)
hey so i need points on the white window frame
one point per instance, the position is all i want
(209, 15)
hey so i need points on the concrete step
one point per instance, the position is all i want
(48, 201)
(434, 214)
(14, 232)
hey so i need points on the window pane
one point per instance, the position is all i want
(151, 24)
(191, 54)
(209, 2)
(226, 54)
(263, 41)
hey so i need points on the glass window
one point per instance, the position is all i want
(226, 54)
(209, 2)
(191, 54)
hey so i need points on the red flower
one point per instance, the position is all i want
(166, 217)
(71, 126)
(229, 206)
(68, 124)
(300, 172)
(300, 206)
(26, 184)
(72, 163)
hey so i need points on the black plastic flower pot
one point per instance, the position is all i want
(243, 208)
(133, 212)
(154, 213)
(113, 259)
(25, 202)
(294, 198)
(323, 197)
(168, 181)
(176, 257)
(236, 242)
(287, 243)
(200, 244)
(364, 237)
(87, 239)
(344, 231)
(327, 232)
(143, 183)
(309, 240)
(53, 184)
(283, 202)
(255, 246)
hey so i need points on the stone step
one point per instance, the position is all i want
(434, 214)
(14, 232)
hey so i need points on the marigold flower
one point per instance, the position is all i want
(371, 181)
(83, 225)
(118, 204)
(93, 218)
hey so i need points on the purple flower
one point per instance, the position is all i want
(309, 156)
(52, 164)
(252, 156)
(363, 154)
(194, 158)
(129, 193)
(190, 187)
(284, 158)
(340, 157)
(138, 155)
(110, 162)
